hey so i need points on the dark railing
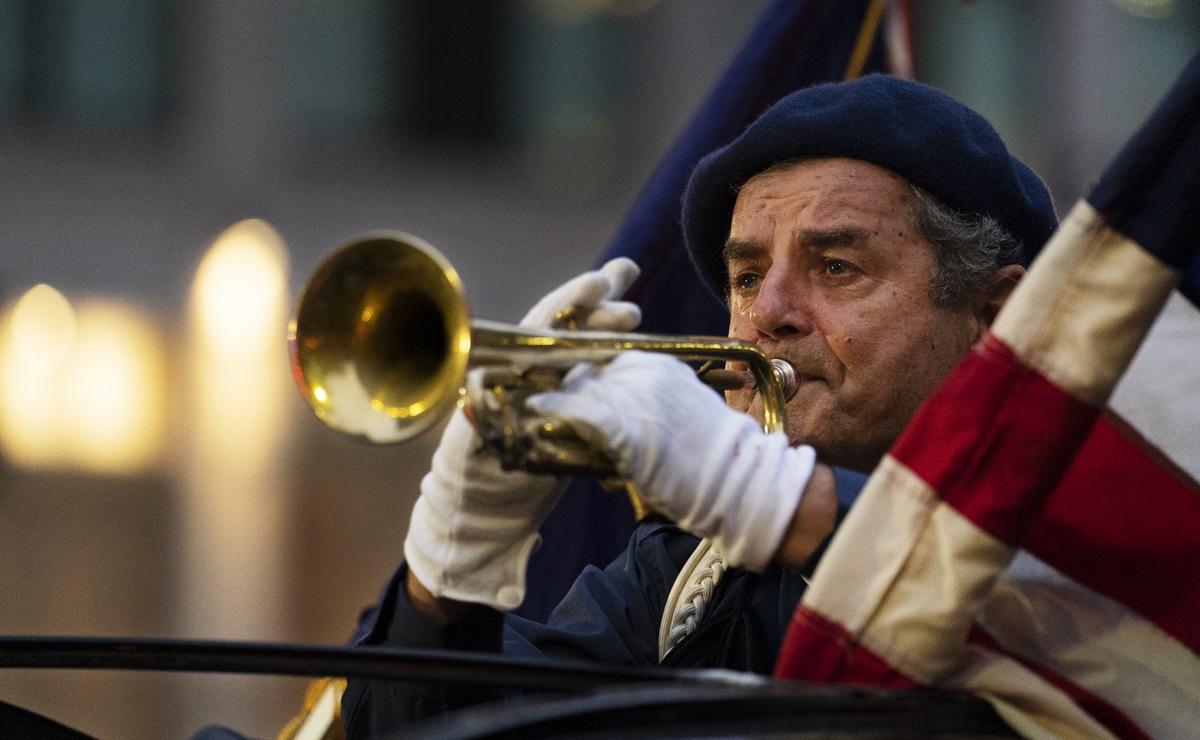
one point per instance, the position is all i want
(601, 701)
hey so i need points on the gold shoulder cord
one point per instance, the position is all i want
(690, 596)
(321, 718)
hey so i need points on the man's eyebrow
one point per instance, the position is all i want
(825, 238)
(736, 249)
(841, 236)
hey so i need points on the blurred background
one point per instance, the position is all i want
(171, 171)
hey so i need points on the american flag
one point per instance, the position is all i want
(1023, 541)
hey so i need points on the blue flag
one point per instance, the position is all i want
(1151, 190)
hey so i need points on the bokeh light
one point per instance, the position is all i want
(80, 389)
(113, 390)
(239, 287)
(43, 328)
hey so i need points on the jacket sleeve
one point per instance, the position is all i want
(610, 615)
(372, 707)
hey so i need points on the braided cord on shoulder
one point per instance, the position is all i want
(690, 596)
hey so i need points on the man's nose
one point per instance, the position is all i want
(780, 309)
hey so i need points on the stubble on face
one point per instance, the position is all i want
(828, 271)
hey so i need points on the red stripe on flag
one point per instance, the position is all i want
(1100, 709)
(816, 648)
(1122, 520)
(995, 439)
(1125, 522)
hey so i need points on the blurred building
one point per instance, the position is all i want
(511, 134)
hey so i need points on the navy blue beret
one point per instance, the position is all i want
(919, 133)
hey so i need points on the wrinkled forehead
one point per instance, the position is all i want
(826, 191)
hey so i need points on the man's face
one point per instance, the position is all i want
(827, 270)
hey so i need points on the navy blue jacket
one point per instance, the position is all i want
(610, 616)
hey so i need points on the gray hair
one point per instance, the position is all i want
(969, 248)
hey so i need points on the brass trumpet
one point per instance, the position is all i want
(382, 347)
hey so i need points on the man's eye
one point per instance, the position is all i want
(836, 267)
(744, 281)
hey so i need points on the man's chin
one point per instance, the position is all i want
(849, 454)
(809, 425)
(835, 444)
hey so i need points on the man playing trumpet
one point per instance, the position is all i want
(867, 232)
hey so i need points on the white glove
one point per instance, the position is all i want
(709, 468)
(475, 524)
(593, 296)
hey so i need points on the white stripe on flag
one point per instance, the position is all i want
(1025, 701)
(1160, 393)
(871, 546)
(902, 616)
(1082, 310)
(1051, 620)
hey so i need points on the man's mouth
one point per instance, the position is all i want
(802, 372)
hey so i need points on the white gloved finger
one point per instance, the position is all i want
(587, 292)
(621, 273)
(575, 375)
(596, 423)
(616, 406)
(612, 314)
(582, 291)
(619, 316)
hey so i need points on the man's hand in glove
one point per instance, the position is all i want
(709, 468)
(474, 524)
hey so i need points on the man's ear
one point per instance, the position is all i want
(1000, 288)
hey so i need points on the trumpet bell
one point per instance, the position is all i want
(381, 337)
